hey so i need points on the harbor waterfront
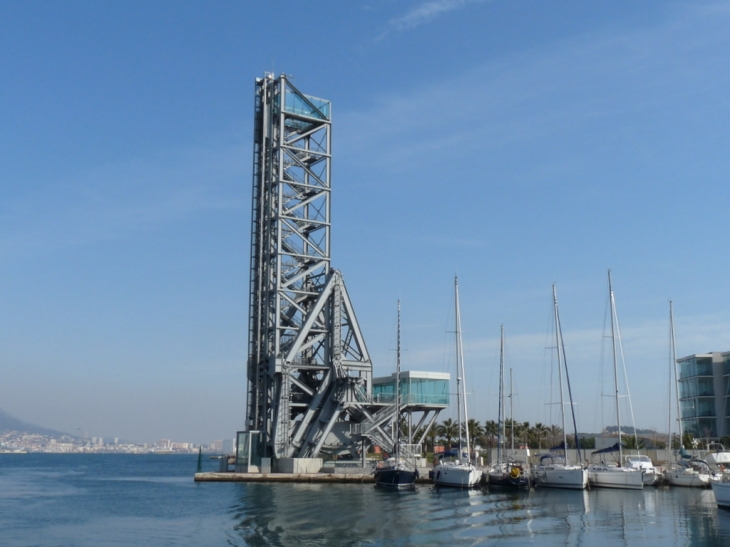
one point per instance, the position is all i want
(109, 499)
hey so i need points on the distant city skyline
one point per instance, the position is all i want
(517, 144)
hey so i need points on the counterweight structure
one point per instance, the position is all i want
(309, 372)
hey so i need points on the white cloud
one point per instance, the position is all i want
(577, 88)
(422, 14)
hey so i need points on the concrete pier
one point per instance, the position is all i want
(358, 478)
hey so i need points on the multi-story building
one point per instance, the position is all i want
(704, 394)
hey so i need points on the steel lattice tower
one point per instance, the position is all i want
(309, 372)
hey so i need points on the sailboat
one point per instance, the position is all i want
(505, 472)
(461, 472)
(609, 474)
(555, 470)
(685, 470)
(397, 471)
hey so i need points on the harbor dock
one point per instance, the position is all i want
(294, 477)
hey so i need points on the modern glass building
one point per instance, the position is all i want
(416, 389)
(704, 394)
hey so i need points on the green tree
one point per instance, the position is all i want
(524, 433)
(448, 430)
(633, 443)
(540, 431)
(475, 429)
(687, 440)
(588, 443)
(431, 436)
(554, 435)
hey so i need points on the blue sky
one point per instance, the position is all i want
(517, 143)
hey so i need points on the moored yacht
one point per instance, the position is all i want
(718, 458)
(460, 472)
(399, 471)
(611, 474)
(721, 489)
(643, 463)
(691, 474)
(505, 472)
(555, 470)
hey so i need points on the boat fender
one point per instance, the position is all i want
(438, 475)
(514, 472)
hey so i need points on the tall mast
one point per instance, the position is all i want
(501, 433)
(460, 380)
(673, 354)
(511, 416)
(558, 344)
(615, 371)
(397, 390)
(561, 352)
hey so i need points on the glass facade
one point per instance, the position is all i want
(697, 395)
(302, 104)
(413, 390)
(695, 366)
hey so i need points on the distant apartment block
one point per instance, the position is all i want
(704, 394)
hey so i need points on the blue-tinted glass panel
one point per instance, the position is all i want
(687, 408)
(307, 106)
(704, 367)
(695, 367)
(414, 391)
(705, 387)
(705, 407)
(688, 388)
(707, 428)
(690, 426)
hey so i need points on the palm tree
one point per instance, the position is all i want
(491, 429)
(509, 424)
(555, 435)
(540, 431)
(525, 432)
(448, 430)
(431, 436)
(475, 428)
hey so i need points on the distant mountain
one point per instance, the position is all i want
(8, 422)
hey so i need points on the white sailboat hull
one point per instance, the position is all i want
(722, 493)
(559, 476)
(616, 477)
(688, 479)
(718, 460)
(459, 475)
(651, 477)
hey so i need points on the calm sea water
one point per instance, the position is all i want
(97, 500)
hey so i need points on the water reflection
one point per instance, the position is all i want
(305, 514)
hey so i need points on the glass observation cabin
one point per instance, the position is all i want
(418, 390)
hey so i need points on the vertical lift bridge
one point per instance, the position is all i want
(309, 371)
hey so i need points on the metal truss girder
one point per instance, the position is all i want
(302, 273)
(430, 425)
(311, 317)
(308, 366)
(301, 386)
